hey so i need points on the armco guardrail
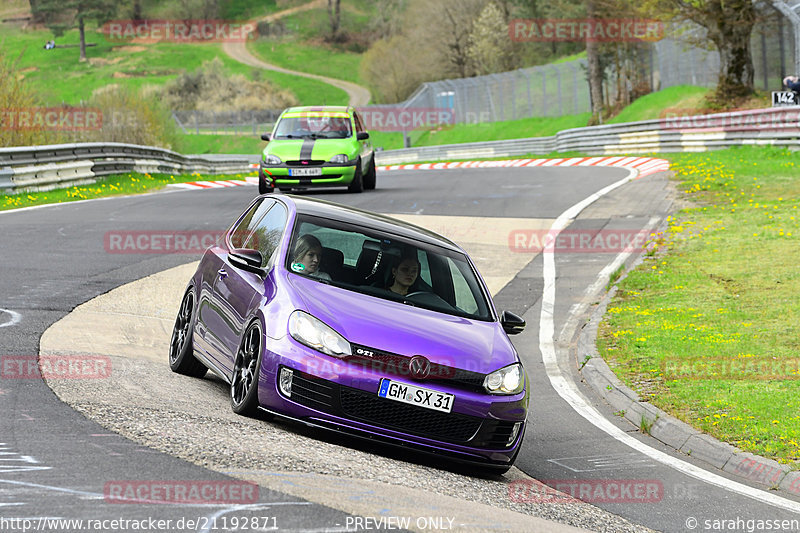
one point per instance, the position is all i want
(40, 168)
(679, 133)
(48, 167)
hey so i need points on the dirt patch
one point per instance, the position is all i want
(100, 61)
(132, 49)
(29, 69)
(121, 75)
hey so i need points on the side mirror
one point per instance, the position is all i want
(362, 136)
(265, 137)
(247, 259)
(512, 324)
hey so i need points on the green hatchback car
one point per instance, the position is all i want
(317, 147)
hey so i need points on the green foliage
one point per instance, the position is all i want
(489, 48)
(717, 297)
(681, 99)
(212, 88)
(128, 117)
(16, 95)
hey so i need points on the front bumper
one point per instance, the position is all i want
(330, 175)
(335, 395)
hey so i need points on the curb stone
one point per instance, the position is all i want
(667, 429)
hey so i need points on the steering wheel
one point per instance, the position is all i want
(415, 293)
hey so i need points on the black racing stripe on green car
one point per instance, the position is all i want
(306, 149)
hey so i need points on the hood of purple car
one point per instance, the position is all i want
(402, 329)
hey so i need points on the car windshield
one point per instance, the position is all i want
(321, 126)
(386, 266)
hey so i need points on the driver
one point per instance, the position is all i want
(404, 274)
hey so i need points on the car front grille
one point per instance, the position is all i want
(313, 392)
(326, 396)
(305, 162)
(368, 407)
(398, 365)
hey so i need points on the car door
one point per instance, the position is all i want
(238, 292)
(365, 147)
(210, 318)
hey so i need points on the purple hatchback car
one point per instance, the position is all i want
(359, 323)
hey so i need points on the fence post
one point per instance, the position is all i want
(196, 124)
(530, 101)
(558, 88)
(544, 93)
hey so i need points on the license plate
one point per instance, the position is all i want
(411, 394)
(305, 171)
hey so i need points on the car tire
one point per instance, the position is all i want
(262, 185)
(246, 370)
(181, 346)
(357, 185)
(370, 176)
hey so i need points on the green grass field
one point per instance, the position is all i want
(311, 58)
(706, 327)
(679, 99)
(58, 77)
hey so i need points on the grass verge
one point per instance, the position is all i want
(115, 185)
(705, 328)
(59, 78)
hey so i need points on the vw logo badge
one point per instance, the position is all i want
(419, 367)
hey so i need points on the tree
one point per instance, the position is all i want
(489, 48)
(334, 16)
(595, 72)
(61, 15)
(728, 24)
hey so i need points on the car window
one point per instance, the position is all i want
(466, 292)
(365, 260)
(314, 126)
(267, 234)
(359, 124)
(241, 231)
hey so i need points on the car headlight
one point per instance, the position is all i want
(507, 380)
(273, 160)
(340, 158)
(312, 332)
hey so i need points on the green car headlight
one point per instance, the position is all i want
(508, 380)
(273, 160)
(340, 158)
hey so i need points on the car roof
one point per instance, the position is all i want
(319, 109)
(367, 219)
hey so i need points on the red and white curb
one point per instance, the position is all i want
(215, 184)
(645, 165)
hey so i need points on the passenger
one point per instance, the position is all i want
(307, 256)
(405, 274)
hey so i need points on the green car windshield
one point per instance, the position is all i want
(314, 127)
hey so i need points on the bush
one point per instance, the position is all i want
(129, 117)
(211, 88)
(16, 96)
